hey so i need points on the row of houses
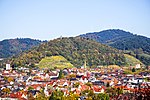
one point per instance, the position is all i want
(20, 83)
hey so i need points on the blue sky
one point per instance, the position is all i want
(49, 19)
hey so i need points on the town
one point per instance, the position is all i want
(75, 50)
(101, 83)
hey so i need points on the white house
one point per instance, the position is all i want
(8, 67)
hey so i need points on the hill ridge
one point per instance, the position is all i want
(10, 47)
(136, 45)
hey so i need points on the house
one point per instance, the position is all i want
(98, 89)
(137, 66)
(8, 67)
(84, 79)
(98, 82)
(83, 87)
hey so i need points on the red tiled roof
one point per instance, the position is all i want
(97, 88)
(17, 95)
(84, 87)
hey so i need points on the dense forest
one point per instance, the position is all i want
(12, 47)
(77, 50)
(135, 45)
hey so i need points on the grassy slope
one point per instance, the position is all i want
(55, 61)
(132, 60)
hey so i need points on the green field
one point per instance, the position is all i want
(132, 61)
(55, 62)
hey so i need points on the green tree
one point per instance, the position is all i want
(56, 95)
(30, 88)
(107, 85)
(32, 65)
(41, 95)
(88, 84)
(119, 91)
(133, 69)
(71, 96)
(88, 93)
(61, 74)
(52, 97)
(76, 85)
(103, 96)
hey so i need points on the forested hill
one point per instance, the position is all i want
(76, 50)
(108, 36)
(136, 45)
(11, 47)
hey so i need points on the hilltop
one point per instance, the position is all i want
(76, 50)
(10, 47)
(135, 45)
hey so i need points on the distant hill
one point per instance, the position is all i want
(135, 45)
(76, 50)
(11, 47)
(55, 62)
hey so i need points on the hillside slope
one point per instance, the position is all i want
(55, 62)
(130, 43)
(75, 50)
(132, 61)
(11, 47)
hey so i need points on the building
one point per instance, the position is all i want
(8, 67)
